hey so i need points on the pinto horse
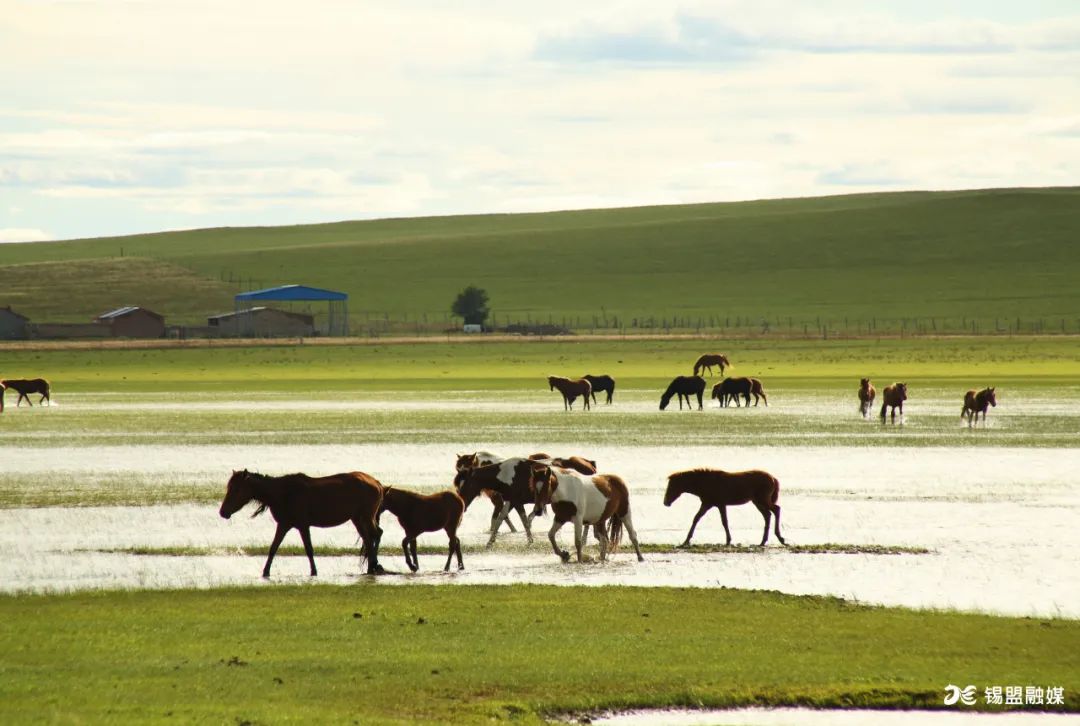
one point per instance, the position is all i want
(419, 513)
(24, 387)
(716, 488)
(570, 390)
(603, 384)
(684, 387)
(976, 403)
(483, 458)
(867, 394)
(302, 502)
(598, 500)
(893, 397)
(509, 479)
(707, 361)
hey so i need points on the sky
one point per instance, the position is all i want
(126, 116)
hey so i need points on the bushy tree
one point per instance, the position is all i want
(472, 305)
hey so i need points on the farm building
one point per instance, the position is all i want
(13, 326)
(261, 322)
(133, 322)
(336, 321)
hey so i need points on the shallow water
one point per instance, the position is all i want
(1002, 525)
(810, 717)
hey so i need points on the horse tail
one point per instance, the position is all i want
(776, 491)
(614, 533)
(611, 391)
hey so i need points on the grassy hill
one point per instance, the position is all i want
(986, 255)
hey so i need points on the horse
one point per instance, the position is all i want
(509, 479)
(976, 403)
(419, 513)
(570, 390)
(730, 389)
(598, 500)
(684, 386)
(602, 384)
(893, 397)
(716, 488)
(707, 361)
(483, 458)
(24, 387)
(302, 502)
(867, 394)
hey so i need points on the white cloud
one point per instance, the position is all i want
(23, 234)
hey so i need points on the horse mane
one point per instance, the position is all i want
(686, 473)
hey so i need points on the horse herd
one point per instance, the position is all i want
(571, 486)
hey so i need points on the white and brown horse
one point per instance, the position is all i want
(570, 390)
(867, 394)
(893, 398)
(601, 500)
(716, 488)
(509, 479)
(707, 361)
(976, 403)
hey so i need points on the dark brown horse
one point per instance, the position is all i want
(893, 397)
(24, 387)
(302, 502)
(867, 394)
(419, 513)
(684, 387)
(570, 390)
(976, 403)
(603, 384)
(730, 389)
(707, 361)
(719, 489)
(509, 479)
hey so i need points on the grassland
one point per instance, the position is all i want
(416, 654)
(944, 258)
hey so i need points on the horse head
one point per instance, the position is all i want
(717, 390)
(864, 383)
(541, 483)
(551, 383)
(467, 483)
(238, 492)
(991, 397)
(672, 493)
(901, 388)
(467, 461)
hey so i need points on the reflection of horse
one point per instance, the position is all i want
(976, 403)
(893, 397)
(419, 513)
(867, 394)
(24, 387)
(684, 386)
(718, 489)
(302, 502)
(730, 389)
(707, 361)
(509, 479)
(602, 384)
(570, 390)
(596, 500)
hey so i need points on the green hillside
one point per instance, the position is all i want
(941, 257)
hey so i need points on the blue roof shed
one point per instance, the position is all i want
(336, 302)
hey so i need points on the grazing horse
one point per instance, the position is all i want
(718, 489)
(893, 397)
(570, 390)
(707, 361)
(684, 386)
(596, 500)
(24, 387)
(602, 384)
(302, 502)
(976, 403)
(509, 479)
(730, 389)
(867, 394)
(419, 513)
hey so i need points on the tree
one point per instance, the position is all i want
(472, 305)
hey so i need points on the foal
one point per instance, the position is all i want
(419, 513)
(570, 390)
(716, 488)
(893, 397)
(975, 403)
(867, 394)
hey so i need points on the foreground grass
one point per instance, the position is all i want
(416, 654)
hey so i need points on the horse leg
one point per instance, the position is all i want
(305, 534)
(700, 403)
(693, 525)
(723, 518)
(503, 514)
(282, 530)
(883, 407)
(600, 531)
(776, 511)
(766, 512)
(525, 521)
(555, 527)
(405, 551)
(412, 546)
(496, 507)
(578, 544)
(628, 524)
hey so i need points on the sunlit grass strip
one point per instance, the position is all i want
(429, 654)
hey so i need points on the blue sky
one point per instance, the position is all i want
(134, 116)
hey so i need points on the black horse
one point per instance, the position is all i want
(601, 383)
(684, 386)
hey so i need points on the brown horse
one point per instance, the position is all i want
(602, 500)
(570, 390)
(419, 513)
(867, 394)
(302, 502)
(718, 489)
(509, 479)
(603, 384)
(707, 361)
(976, 403)
(24, 387)
(730, 389)
(684, 387)
(893, 397)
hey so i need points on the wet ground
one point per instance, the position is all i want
(808, 717)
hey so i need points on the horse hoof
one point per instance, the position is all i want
(565, 556)
(640, 558)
